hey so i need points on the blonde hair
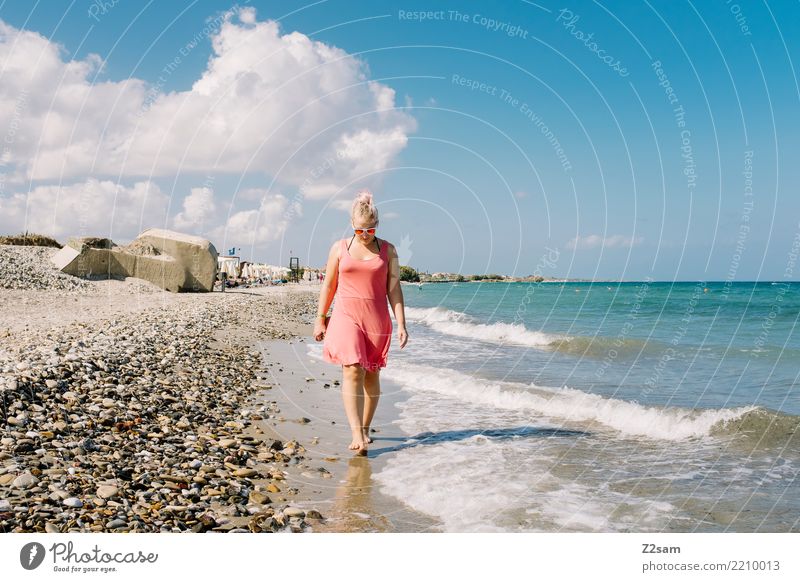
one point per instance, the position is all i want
(364, 207)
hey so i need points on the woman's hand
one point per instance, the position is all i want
(402, 336)
(319, 329)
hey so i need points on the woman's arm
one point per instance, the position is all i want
(395, 293)
(331, 281)
(328, 290)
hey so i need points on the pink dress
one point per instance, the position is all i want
(360, 328)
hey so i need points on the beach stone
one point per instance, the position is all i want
(73, 502)
(227, 443)
(116, 524)
(25, 481)
(7, 479)
(5, 505)
(51, 528)
(258, 498)
(245, 473)
(294, 512)
(107, 491)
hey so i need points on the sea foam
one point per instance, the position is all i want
(566, 404)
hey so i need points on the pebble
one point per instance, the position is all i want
(73, 502)
(245, 473)
(294, 512)
(107, 491)
(258, 498)
(25, 480)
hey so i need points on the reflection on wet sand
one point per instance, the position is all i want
(353, 509)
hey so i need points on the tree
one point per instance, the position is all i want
(408, 274)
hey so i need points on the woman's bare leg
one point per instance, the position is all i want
(372, 392)
(353, 397)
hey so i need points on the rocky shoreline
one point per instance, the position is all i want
(148, 421)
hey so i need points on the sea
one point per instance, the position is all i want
(598, 407)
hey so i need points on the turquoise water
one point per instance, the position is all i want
(600, 407)
(684, 344)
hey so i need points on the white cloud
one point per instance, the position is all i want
(265, 224)
(198, 212)
(595, 240)
(90, 208)
(248, 15)
(343, 204)
(266, 102)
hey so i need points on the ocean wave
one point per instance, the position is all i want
(762, 428)
(458, 324)
(567, 404)
(455, 323)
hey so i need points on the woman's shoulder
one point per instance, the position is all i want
(389, 246)
(335, 248)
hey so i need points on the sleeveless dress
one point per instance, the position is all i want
(360, 328)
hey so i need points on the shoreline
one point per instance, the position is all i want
(331, 477)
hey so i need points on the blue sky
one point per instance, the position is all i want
(489, 132)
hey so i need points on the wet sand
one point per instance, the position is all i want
(331, 477)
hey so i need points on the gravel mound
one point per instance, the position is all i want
(27, 267)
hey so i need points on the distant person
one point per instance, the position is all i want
(362, 272)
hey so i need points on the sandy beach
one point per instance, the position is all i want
(128, 408)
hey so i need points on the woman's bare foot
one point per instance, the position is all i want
(366, 436)
(359, 444)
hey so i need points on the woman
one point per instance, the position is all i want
(364, 270)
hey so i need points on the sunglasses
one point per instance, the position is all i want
(363, 230)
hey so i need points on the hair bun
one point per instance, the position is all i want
(364, 206)
(364, 196)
